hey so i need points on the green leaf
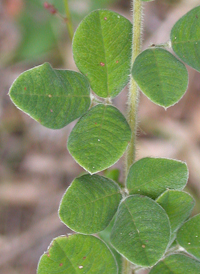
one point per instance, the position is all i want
(189, 236)
(77, 254)
(112, 174)
(176, 264)
(153, 176)
(185, 38)
(37, 36)
(141, 232)
(89, 204)
(54, 98)
(160, 76)
(178, 206)
(102, 51)
(99, 138)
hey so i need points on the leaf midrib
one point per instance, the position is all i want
(143, 250)
(59, 96)
(101, 198)
(185, 41)
(104, 54)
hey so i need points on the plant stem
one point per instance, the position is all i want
(133, 89)
(133, 101)
(68, 20)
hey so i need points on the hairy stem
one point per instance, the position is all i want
(133, 89)
(133, 101)
(68, 20)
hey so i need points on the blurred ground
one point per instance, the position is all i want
(35, 167)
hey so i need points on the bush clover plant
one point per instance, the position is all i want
(145, 222)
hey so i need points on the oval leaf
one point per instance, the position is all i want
(189, 236)
(102, 51)
(185, 38)
(176, 264)
(153, 176)
(99, 138)
(160, 76)
(178, 206)
(141, 226)
(89, 204)
(77, 254)
(54, 98)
